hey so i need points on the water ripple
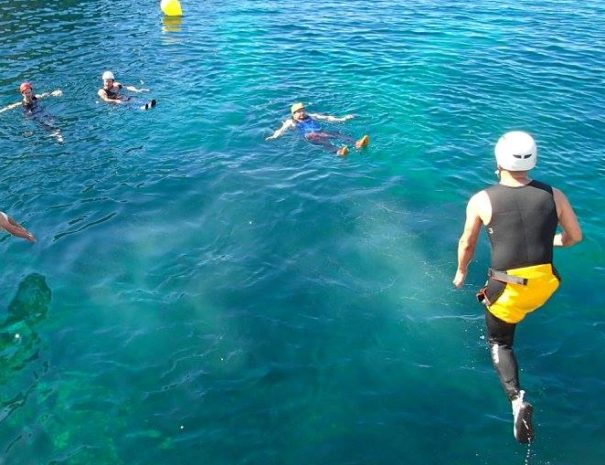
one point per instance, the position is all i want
(224, 299)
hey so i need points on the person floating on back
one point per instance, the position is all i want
(307, 125)
(14, 228)
(110, 92)
(32, 109)
(521, 218)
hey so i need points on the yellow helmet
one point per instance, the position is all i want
(296, 107)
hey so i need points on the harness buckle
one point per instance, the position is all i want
(504, 277)
(482, 297)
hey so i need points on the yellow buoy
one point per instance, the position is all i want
(171, 7)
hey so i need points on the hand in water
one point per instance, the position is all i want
(15, 228)
(22, 233)
(57, 93)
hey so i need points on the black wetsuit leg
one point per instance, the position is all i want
(46, 122)
(340, 136)
(41, 118)
(322, 139)
(500, 338)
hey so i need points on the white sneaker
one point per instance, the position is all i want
(522, 412)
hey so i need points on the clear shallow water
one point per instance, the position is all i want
(199, 295)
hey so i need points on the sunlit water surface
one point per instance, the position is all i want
(200, 296)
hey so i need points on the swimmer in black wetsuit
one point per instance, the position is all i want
(306, 124)
(32, 109)
(110, 92)
(14, 228)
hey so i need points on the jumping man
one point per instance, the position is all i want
(521, 218)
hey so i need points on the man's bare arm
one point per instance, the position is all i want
(468, 239)
(571, 234)
(14, 228)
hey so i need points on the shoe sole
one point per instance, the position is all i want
(149, 105)
(524, 431)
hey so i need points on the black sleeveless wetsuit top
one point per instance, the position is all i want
(523, 225)
(113, 94)
(30, 107)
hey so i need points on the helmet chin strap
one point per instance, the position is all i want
(498, 172)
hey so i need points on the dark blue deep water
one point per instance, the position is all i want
(198, 295)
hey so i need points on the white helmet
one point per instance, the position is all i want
(516, 151)
(108, 75)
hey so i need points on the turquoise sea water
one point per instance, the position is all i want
(200, 296)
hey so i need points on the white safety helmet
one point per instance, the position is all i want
(108, 75)
(516, 151)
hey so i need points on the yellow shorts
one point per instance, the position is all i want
(517, 300)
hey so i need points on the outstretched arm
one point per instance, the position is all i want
(54, 93)
(468, 239)
(14, 228)
(288, 124)
(10, 107)
(330, 118)
(572, 234)
(135, 89)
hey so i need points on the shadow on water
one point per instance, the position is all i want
(19, 341)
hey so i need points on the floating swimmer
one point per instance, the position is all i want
(307, 125)
(110, 92)
(14, 228)
(32, 109)
(521, 216)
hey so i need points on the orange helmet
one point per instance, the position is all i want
(25, 86)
